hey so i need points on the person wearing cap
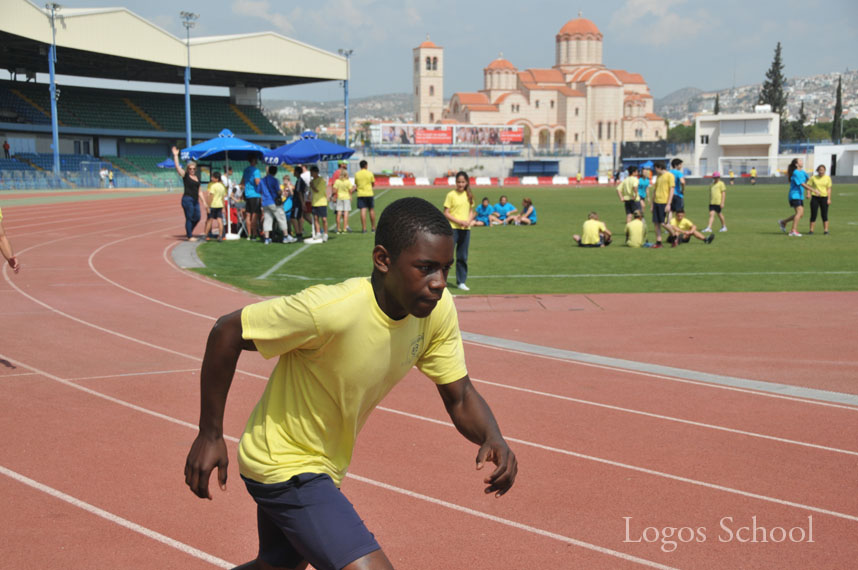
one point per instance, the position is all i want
(717, 198)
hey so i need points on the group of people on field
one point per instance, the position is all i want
(263, 200)
(802, 186)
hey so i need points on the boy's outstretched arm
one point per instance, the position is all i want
(208, 451)
(474, 420)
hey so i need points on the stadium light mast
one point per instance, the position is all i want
(347, 54)
(52, 58)
(189, 21)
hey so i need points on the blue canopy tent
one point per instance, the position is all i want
(223, 147)
(308, 148)
(166, 164)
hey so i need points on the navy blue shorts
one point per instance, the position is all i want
(715, 208)
(366, 202)
(215, 213)
(308, 518)
(796, 203)
(320, 211)
(658, 213)
(631, 206)
(297, 209)
(253, 205)
(678, 203)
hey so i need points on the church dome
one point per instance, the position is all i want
(579, 26)
(501, 63)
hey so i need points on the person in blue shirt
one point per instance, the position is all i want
(643, 184)
(504, 211)
(527, 217)
(678, 202)
(484, 213)
(272, 205)
(797, 186)
(250, 180)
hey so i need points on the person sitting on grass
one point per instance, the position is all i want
(485, 213)
(527, 217)
(340, 349)
(503, 210)
(682, 229)
(214, 205)
(636, 230)
(594, 233)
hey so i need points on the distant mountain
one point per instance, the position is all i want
(394, 106)
(679, 96)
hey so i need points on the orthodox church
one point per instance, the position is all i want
(578, 104)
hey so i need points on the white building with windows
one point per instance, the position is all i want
(577, 104)
(736, 142)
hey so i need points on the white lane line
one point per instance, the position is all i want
(667, 418)
(116, 519)
(652, 472)
(127, 374)
(643, 369)
(198, 277)
(2, 376)
(513, 524)
(283, 261)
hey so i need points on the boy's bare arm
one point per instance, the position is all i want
(208, 451)
(474, 420)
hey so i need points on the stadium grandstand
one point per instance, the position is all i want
(130, 131)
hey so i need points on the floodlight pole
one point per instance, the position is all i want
(347, 54)
(188, 20)
(52, 58)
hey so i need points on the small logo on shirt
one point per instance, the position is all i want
(414, 350)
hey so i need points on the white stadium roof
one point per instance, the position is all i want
(116, 43)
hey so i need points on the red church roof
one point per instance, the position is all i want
(579, 26)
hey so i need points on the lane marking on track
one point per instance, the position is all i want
(116, 519)
(759, 387)
(645, 470)
(507, 522)
(128, 374)
(669, 418)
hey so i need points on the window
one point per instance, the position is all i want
(656, 134)
(704, 139)
(537, 103)
(416, 64)
(600, 130)
(552, 104)
(609, 130)
(431, 117)
(576, 111)
(417, 91)
(431, 90)
(434, 64)
(576, 135)
(428, 64)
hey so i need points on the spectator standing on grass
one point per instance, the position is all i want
(678, 201)
(627, 191)
(6, 248)
(251, 178)
(797, 187)
(484, 213)
(636, 230)
(459, 210)
(820, 197)
(661, 198)
(717, 199)
(343, 189)
(110, 179)
(298, 199)
(754, 176)
(341, 349)
(193, 195)
(286, 190)
(271, 201)
(594, 233)
(643, 185)
(365, 182)
(214, 205)
(318, 192)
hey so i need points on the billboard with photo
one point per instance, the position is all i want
(459, 135)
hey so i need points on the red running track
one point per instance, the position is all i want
(102, 342)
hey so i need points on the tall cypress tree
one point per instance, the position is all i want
(838, 112)
(773, 92)
(717, 103)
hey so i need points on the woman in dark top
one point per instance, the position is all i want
(193, 194)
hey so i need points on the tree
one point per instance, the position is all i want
(773, 92)
(717, 103)
(798, 132)
(681, 134)
(836, 126)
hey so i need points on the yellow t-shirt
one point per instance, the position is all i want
(821, 183)
(716, 192)
(1, 215)
(590, 232)
(459, 206)
(635, 233)
(339, 355)
(663, 184)
(684, 225)
(319, 190)
(364, 179)
(629, 188)
(343, 188)
(754, 172)
(218, 193)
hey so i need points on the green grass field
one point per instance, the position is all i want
(752, 256)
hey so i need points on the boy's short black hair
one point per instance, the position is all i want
(363, 164)
(633, 169)
(297, 171)
(402, 220)
(675, 162)
(272, 170)
(215, 175)
(314, 168)
(679, 211)
(658, 164)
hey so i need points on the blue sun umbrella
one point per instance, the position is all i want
(225, 146)
(166, 164)
(309, 148)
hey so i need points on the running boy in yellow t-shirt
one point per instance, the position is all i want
(356, 341)
(717, 199)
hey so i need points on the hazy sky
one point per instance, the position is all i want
(673, 43)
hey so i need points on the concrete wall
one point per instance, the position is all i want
(432, 167)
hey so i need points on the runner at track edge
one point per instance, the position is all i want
(340, 350)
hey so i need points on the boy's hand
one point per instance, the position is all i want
(206, 454)
(502, 478)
